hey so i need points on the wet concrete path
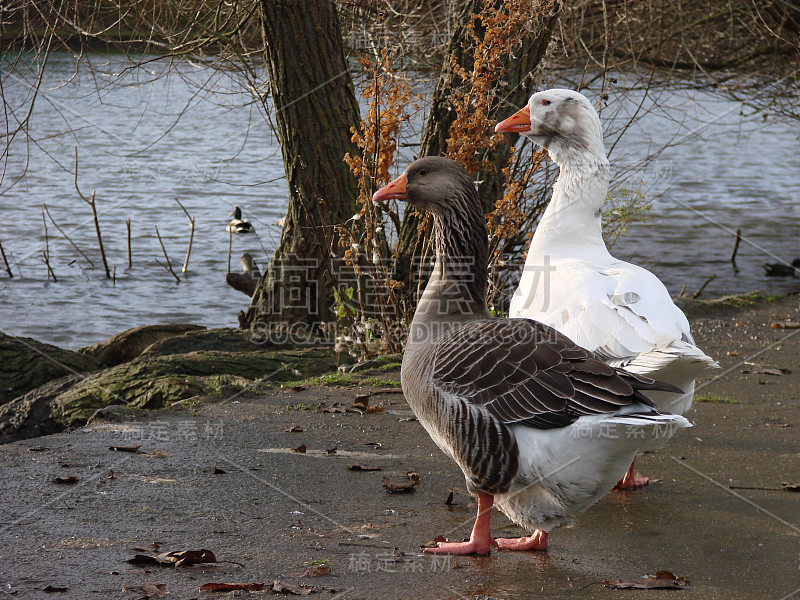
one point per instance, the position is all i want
(273, 512)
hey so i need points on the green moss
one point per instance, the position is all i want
(741, 300)
(392, 366)
(715, 399)
(348, 379)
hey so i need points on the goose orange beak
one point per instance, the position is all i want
(395, 190)
(517, 123)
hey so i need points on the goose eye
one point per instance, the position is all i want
(423, 172)
(546, 103)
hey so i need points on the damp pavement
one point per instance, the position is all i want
(222, 475)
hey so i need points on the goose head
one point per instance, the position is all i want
(562, 121)
(433, 183)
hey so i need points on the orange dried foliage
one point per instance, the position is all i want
(497, 32)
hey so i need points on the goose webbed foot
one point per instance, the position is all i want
(537, 541)
(480, 541)
(630, 481)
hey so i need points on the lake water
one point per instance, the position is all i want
(144, 140)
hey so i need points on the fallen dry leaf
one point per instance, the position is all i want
(125, 448)
(71, 479)
(183, 558)
(662, 580)
(158, 454)
(361, 402)
(791, 487)
(37, 449)
(407, 419)
(111, 474)
(434, 542)
(402, 488)
(775, 423)
(150, 590)
(786, 325)
(374, 409)
(316, 571)
(279, 587)
(229, 587)
(732, 353)
(294, 429)
(298, 388)
(301, 449)
(354, 466)
(752, 368)
(52, 589)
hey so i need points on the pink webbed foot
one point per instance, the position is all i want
(479, 547)
(630, 481)
(537, 541)
(480, 542)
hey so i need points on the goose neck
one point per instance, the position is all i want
(572, 222)
(456, 290)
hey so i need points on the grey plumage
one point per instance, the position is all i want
(469, 377)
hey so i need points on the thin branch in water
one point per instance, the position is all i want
(5, 261)
(736, 245)
(696, 295)
(230, 243)
(128, 226)
(46, 261)
(168, 266)
(191, 237)
(91, 202)
(74, 245)
(46, 251)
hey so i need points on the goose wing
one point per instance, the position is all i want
(525, 372)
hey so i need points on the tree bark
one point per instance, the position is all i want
(441, 116)
(315, 108)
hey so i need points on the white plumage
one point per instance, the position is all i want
(570, 280)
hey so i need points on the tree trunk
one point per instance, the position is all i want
(315, 107)
(441, 116)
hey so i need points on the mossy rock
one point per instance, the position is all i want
(158, 381)
(126, 346)
(207, 363)
(26, 364)
(29, 415)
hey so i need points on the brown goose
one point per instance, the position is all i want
(539, 426)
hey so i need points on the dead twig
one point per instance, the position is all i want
(191, 236)
(74, 245)
(46, 261)
(168, 266)
(736, 245)
(696, 295)
(128, 226)
(91, 202)
(230, 243)
(46, 251)
(5, 261)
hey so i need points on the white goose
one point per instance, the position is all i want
(539, 426)
(620, 311)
